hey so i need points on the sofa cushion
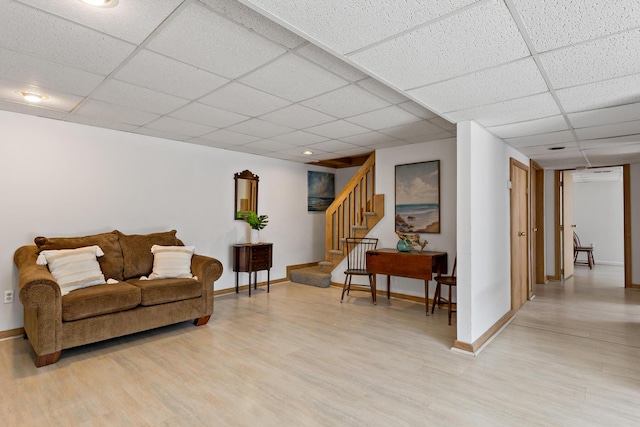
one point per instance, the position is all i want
(101, 299)
(74, 268)
(160, 291)
(171, 262)
(111, 264)
(136, 249)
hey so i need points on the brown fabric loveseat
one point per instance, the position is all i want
(54, 322)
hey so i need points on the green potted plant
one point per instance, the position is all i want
(255, 221)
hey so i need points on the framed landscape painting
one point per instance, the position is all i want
(418, 197)
(321, 190)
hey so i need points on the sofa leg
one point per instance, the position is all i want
(47, 359)
(201, 320)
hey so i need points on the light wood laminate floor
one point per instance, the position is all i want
(297, 357)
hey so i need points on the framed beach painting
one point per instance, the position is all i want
(418, 197)
(321, 190)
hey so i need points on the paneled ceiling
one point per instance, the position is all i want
(333, 77)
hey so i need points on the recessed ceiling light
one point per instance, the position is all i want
(307, 153)
(32, 96)
(101, 3)
(557, 148)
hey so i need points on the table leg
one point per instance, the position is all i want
(426, 296)
(236, 282)
(249, 282)
(388, 286)
(268, 274)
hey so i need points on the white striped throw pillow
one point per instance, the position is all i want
(170, 262)
(74, 268)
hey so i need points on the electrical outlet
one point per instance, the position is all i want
(8, 297)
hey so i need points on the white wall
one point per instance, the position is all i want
(484, 270)
(635, 221)
(598, 213)
(386, 160)
(343, 176)
(64, 179)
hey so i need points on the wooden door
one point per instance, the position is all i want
(519, 175)
(567, 224)
(536, 196)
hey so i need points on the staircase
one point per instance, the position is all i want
(355, 211)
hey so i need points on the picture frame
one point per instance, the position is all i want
(417, 197)
(321, 191)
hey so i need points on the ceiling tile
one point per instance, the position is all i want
(383, 91)
(208, 116)
(605, 131)
(115, 113)
(208, 143)
(610, 142)
(533, 127)
(554, 23)
(28, 69)
(349, 25)
(384, 118)
(59, 40)
(157, 72)
(541, 139)
(260, 128)
(297, 151)
(346, 101)
(293, 78)
(418, 110)
(161, 134)
(602, 59)
(128, 95)
(228, 137)
(132, 21)
(443, 123)
(251, 150)
(297, 116)
(516, 110)
(57, 100)
(369, 139)
(269, 145)
(357, 151)
(508, 81)
(244, 99)
(32, 109)
(431, 137)
(547, 148)
(330, 62)
(604, 116)
(99, 122)
(446, 48)
(337, 129)
(411, 130)
(332, 145)
(623, 90)
(206, 40)
(236, 11)
(299, 138)
(625, 150)
(180, 127)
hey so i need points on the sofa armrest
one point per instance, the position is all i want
(208, 270)
(42, 301)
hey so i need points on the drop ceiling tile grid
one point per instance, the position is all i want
(209, 143)
(356, 151)
(431, 137)
(132, 96)
(297, 151)
(236, 11)
(57, 100)
(293, 78)
(543, 149)
(27, 69)
(330, 62)
(202, 38)
(418, 110)
(601, 59)
(157, 72)
(541, 139)
(443, 123)
(207, 115)
(251, 150)
(610, 142)
(369, 139)
(332, 146)
(412, 130)
(609, 93)
(382, 90)
(337, 129)
(297, 116)
(606, 131)
(114, 113)
(501, 83)
(384, 118)
(346, 101)
(446, 48)
(268, 145)
(625, 150)
(260, 128)
(179, 127)
(230, 138)
(99, 122)
(515, 110)
(532, 127)
(132, 21)
(299, 138)
(243, 99)
(605, 116)
(32, 110)
(161, 134)
(59, 40)
(555, 23)
(349, 25)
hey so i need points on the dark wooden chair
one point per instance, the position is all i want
(357, 248)
(588, 250)
(449, 281)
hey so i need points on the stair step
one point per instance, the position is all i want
(369, 214)
(325, 263)
(359, 227)
(335, 252)
(311, 276)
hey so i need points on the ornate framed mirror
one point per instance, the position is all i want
(246, 194)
